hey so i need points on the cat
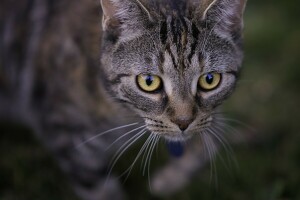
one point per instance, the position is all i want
(165, 67)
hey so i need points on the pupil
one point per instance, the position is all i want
(149, 80)
(209, 78)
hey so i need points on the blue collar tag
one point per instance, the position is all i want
(176, 149)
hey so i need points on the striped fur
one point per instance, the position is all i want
(176, 44)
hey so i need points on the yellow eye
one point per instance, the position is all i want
(149, 83)
(210, 81)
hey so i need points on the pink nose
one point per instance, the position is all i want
(183, 122)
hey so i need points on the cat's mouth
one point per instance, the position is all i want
(172, 136)
(179, 137)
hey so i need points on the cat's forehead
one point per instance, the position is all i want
(167, 7)
(176, 47)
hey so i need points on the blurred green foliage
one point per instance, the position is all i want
(27, 171)
(267, 99)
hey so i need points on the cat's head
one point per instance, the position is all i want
(172, 61)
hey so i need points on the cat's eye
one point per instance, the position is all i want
(149, 83)
(210, 81)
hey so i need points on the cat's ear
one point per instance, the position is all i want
(109, 18)
(129, 15)
(226, 16)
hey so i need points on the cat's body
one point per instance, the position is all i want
(51, 78)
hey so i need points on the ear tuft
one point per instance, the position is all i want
(226, 15)
(128, 19)
(109, 14)
(205, 6)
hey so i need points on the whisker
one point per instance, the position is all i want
(124, 148)
(202, 142)
(105, 132)
(145, 151)
(124, 135)
(148, 149)
(214, 153)
(150, 152)
(132, 116)
(155, 141)
(220, 125)
(203, 137)
(210, 154)
(222, 122)
(229, 151)
(219, 116)
(128, 171)
(221, 139)
(223, 119)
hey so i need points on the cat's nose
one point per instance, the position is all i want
(183, 122)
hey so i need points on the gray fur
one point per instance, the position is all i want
(179, 46)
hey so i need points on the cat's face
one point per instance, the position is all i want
(172, 67)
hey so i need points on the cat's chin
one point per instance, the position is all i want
(178, 137)
(175, 136)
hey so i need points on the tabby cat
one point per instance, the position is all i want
(165, 67)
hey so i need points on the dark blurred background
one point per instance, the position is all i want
(265, 104)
